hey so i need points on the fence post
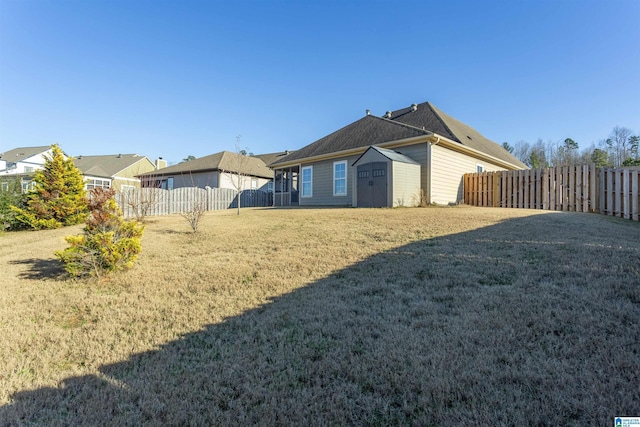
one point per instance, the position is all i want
(635, 191)
(496, 189)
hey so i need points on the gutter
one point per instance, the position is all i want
(352, 151)
(432, 138)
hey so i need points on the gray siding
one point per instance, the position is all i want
(322, 185)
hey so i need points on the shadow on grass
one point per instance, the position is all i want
(40, 269)
(530, 322)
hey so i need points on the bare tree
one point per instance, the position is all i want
(619, 144)
(194, 214)
(239, 169)
(197, 208)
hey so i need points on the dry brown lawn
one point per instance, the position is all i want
(436, 316)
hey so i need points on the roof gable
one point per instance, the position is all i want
(106, 165)
(432, 118)
(392, 155)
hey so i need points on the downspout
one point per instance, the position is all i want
(430, 168)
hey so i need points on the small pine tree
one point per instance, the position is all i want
(109, 243)
(58, 198)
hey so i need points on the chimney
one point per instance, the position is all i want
(161, 163)
(414, 107)
(368, 112)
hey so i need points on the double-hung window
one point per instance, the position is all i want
(340, 178)
(307, 181)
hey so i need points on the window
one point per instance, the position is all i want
(479, 168)
(97, 183)
(270, 186)
(254, 184)
(28, 185)
(377, 172)
(170, 183)
(307, 181)
(5, 186)
(28, 169)
(340, 178)
(363, 174)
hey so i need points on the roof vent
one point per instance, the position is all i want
(414, 107)
(368, 112)
(387, 114)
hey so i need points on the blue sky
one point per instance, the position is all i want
(177, 78)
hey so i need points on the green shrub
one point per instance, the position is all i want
(59, 197)
(10, 195)
(109, 243)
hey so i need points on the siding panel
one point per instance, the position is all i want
(323, 184)
(448, 168)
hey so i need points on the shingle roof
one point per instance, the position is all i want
(404, 123)
(428, 115)
(21, 153)
(369, 130)
(224, 160)
(272, 157)
(107, 165)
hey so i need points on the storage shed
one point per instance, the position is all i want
(385, 178)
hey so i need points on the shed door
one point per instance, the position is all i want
(372, 185)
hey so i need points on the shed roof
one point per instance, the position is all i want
(394, 156)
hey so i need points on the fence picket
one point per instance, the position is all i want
(576, 188)
(166, 202)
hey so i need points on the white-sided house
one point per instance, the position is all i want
(216, 171)
(118, 171)
(20, 165)
(23, 160)
(325, 173)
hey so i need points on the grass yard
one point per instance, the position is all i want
(436, 316)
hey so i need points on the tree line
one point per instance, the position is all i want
(620, 148)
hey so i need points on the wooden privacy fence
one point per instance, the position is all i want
(576, 188)
(158, 201)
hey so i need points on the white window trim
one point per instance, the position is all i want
(302, 182)
(344, 162)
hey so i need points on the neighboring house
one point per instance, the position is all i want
(21, 163)
(216, 171)
(341, 169)
(118, 171)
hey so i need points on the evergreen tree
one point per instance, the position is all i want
(600, 158)
(109, 242)
(58, 198)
